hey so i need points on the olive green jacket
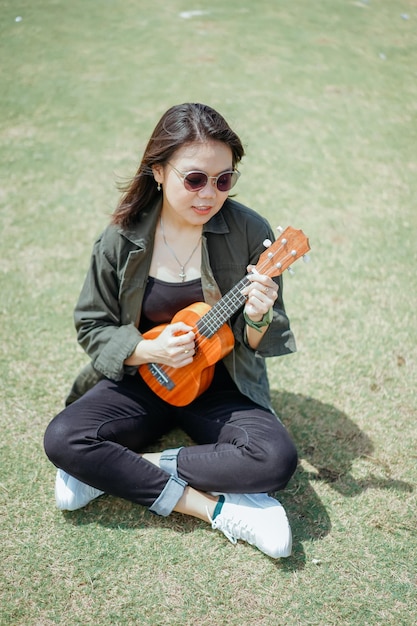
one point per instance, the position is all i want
(109, 307)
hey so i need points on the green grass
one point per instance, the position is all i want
(324, 97)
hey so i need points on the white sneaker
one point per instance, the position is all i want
(258, 519)
(72, 494)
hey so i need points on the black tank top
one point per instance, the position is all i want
(163, 299)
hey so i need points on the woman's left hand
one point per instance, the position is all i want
(260, 294)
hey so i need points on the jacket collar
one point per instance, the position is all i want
(142, 233)
(217, 224)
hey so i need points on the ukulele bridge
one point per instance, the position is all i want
(161, 377)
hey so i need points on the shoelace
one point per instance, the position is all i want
(232, 529)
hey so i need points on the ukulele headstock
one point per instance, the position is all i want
(290, 245)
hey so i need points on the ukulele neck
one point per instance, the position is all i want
(223, 310)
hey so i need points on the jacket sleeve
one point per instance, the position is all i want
(97, 317)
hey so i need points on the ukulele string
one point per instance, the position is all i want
(231, 301)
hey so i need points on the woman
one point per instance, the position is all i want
(176, 238)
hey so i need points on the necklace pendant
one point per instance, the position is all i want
(182, 274)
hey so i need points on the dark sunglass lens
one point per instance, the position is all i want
(225, 181)
(195, 180)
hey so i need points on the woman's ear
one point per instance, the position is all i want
(158, 173)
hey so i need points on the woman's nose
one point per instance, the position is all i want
(209, 191)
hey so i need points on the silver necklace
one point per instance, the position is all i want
(182, 273)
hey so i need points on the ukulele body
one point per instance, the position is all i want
(180, 386)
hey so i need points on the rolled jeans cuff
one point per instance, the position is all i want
(169, 496)
(168, 461)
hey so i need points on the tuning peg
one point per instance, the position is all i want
(306, 258)
(267, 243)
(291, 271)
(280, 229)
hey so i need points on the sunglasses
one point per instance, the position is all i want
(195, 180)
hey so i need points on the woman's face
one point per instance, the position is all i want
(194, 207)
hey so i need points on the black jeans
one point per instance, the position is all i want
(240, 446)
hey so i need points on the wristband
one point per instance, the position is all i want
(265, 321)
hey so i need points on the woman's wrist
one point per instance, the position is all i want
(260, 324)
(139, 354)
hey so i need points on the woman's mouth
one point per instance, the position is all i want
(203, 209)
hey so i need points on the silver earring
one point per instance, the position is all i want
(159, 187)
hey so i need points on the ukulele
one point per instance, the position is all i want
(213, 336)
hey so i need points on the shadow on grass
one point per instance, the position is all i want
(328, 442)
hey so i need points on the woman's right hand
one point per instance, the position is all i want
(174, 346)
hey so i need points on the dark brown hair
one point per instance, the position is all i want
(180, 125)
